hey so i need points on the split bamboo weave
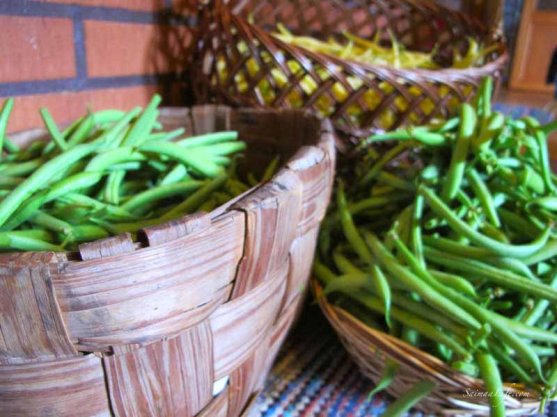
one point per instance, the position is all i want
(456, 394)
(240, 63)
(151, 328)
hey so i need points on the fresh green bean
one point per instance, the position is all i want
(518, 251)
(413, 396)
(452, 183)
(493, 383)
(144, 123)
(5, 112)
(195, 199)
(208, 139)
(387, 376)
(413, 283)
(483, 194)
(187, 157)
(141, 202)
(56, 135)
(43, 174)
(378, 166)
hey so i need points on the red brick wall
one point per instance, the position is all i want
(70, 55)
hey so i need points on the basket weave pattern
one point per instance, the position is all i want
(456, 393)
(242, 64)
(145, 328)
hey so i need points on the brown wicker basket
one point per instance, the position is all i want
(239, 63)
(456, 393)
(146, 328)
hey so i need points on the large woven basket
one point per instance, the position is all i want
(239, 63)
(456, 393)
(187, 320)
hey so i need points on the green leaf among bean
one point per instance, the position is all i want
(458, 217)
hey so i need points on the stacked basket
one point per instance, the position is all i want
(357, 97)
(186, 321)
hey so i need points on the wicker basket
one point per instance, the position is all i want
(456, 393)
(382, 98)
(151, 327)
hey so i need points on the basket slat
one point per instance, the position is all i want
(240, 325)
(159, 283)
(26, 294)
(267, 244)
(54, 388)
(163, 379)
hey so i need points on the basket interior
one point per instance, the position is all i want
(418, 25)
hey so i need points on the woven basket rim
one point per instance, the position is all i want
(214, 214)
(332, 312)
(356, 67)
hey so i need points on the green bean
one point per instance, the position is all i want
(550, 127)
(413, 283)
(493, 383)
(323, 274)
(500, 277)
(144, 123)
(187, 157)
(482, 193)
(540, 307)
(424, 327)
(457, 248)
(112, 136)
(113, 156)
(455, 281)
(82, 131)
(53, 130)
(221, 149)
(518, 251)
(499, 326)
(449, 125)
(346, 283)
(107, 210)
(17, 242)
(195, 199)
(406, 401)
(112, 187)
(49, 222)
(427, 313)
(208, 139)
(10, 182)
(520, 224)
(387, 376)
(395, 182)
(5, 112)
(452, 183)
(378, 166)
(509, 363)
(383, 290)
(87, 233)
(544, 160)
(375, 202)
(270, 169)
(40, 177)
(178, 173)
(21, 169)
(165, 135)
(349, 229)
(141, 202)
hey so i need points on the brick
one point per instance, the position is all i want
(36, 49)
(146, 5)
(66, 107)
(116, 49)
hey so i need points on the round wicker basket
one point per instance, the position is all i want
(242, 64)
(185, 321)
(456, 394)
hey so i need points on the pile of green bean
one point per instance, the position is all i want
(107, 173)
(447, 241)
